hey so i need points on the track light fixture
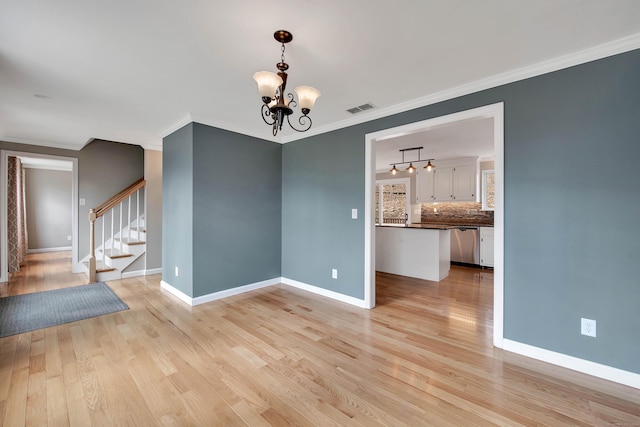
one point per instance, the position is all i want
(272, 91)
(429, 166)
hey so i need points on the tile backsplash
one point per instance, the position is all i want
(463, 213)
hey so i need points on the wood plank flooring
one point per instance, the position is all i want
(279, 356)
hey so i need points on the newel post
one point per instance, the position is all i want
(92, 246)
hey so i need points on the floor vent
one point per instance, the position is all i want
(361, 108)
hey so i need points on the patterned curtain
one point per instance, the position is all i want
(16, 220)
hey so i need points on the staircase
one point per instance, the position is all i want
(122, 234)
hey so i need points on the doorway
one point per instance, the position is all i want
(494, 112)
(43, 160)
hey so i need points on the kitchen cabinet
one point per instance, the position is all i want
(486, 246)
(451, 180)
(464, 183)
(424, 186)
(443, 184)
(414, 252)
(456, 183)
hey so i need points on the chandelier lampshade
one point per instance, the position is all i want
(268, 83)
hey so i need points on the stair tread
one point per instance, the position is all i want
(129, 241)
(100, 266)
(116, 253)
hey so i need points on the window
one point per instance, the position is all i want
(392, 201)
(488, 190)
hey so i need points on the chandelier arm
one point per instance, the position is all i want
(266, 112)
(292, 101)
(302, 120)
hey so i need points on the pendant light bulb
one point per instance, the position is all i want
(429, 167)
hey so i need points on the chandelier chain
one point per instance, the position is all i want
(282, 56)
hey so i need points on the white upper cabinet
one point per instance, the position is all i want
(443, 183)
(464, 183)
(424, 186)
(451, 181)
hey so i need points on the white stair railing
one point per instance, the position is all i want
(113, 205)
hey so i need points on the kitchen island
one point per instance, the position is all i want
(421, 251)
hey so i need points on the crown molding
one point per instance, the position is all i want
(190, 118)
(50, 144)
(605, 50)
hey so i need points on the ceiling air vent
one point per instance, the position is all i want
(361, 108)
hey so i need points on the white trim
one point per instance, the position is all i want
(620, 376)
(28, 141)
(190, 118)
(218, 295)
(615, 47)
(326, 293)
(495, 111)
(369, 224)
(498, 225)
(130, 274)
(40, 250)
(176, 126)
(76, 264)
(176, 292)
(138, 273)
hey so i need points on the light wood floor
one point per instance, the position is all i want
(280, 356)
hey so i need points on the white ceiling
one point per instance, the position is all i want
(465, 138)
(133, 71)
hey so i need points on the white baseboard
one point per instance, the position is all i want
(217, 295)
(176, 292)
(620, 376)
(138, 273)
(250, 287)
(130, 274)
(40, 250)
(326, 293)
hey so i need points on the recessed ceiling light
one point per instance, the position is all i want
(39, 95)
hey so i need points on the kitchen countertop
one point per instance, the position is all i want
(428, 226)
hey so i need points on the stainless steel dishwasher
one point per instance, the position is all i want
(465, 245)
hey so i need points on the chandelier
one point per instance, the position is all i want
(429, 166)
(276, 106)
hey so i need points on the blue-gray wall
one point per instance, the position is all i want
(221, 210)
(177, 209)
(236, 210)
(571, 206)
(322, 180)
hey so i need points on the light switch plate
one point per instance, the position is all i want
(82, 202)
(354, 213)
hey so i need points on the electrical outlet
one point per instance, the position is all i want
(176, 271)
(334, 273)
(69, 238)
(588, 327)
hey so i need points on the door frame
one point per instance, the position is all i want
(494, 111)
(4, 246)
